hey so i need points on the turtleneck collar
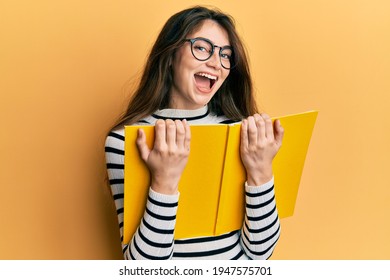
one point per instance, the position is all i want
(181, 114)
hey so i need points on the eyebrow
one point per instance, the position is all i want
(207, 39)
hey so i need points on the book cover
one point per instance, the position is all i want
(211, 189)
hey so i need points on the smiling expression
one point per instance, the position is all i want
(195, 82)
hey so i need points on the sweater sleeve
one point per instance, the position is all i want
(261, 229)
(154, 236)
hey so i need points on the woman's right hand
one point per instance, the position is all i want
(168, 157)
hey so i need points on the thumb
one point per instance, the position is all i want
(142, 146)
(279, 132)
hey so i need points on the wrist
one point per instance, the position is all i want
(258, 181)
(259, 178)
(168, 187)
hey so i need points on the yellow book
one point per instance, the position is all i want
(212, 199)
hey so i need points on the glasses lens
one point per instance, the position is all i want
(226, 57)
(202, 49)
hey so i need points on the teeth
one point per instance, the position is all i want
(207, 76)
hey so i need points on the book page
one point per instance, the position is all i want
(287, 168)
(199, 185)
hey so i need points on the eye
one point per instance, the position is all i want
(202, 46)
(226, 53)
(225, 56)
(201, 49)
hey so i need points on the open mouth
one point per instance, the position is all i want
(205, 80)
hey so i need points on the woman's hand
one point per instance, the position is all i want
(260, 141)
(169, 156)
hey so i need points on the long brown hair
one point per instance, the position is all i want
(234, 98)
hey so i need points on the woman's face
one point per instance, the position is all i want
(195, 82)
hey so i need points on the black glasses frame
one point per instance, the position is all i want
(192, 41)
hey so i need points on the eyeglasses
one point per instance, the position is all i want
(202, 49)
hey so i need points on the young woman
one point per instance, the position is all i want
(197, 73)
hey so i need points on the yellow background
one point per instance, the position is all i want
(65, 67)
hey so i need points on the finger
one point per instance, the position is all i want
(252, 131)
(187, 137)
(160, 134)
(279, 132)
(171, 133)
(244, 134)
(260, 124)
(180, 133)
(269, 128)
(141, 144)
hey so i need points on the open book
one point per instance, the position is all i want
(212, 199)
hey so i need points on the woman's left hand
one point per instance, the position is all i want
(260, 141)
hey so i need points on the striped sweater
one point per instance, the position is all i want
(154, 238)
